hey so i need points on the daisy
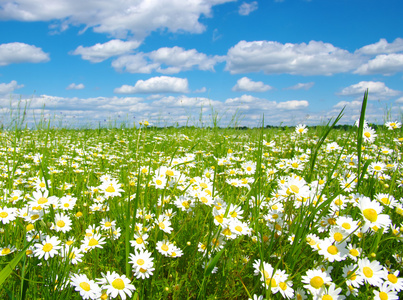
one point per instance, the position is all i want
(314, 280)
(385, 293)
(347, 223)
(72, 254)
(7, 250)
(352, 277)
(369, 134)
(301, 129)
(111, 188)
(140, 241)
(333, 251)
(93, 241)
(88, 288)
(141, 261)
(164, 247)
(393, 125)
(7, 215)
(371, 212)
(394, 282)
(354, 252)
(164, 224)
(107, 224)
(330, 292)
(48, 247)
(116, 284)
(62, 223)
(372, 272)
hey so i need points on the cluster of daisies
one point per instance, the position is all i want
(250, 193)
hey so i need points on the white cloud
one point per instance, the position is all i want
(314, 58)
(377, 90)
(136, 63)
(117, 18)
(166, 61)
(246, 8)
(400, 100)
(7, 88)
(301, 86)
(180, 59)
(382, 47)
(293, 105)
(12, 53)
(348, 104)
(162, 84)
(386, 64)
(100, 52)
(73, 86)
(201, 90)
(245, 84)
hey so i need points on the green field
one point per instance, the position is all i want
(201, 213)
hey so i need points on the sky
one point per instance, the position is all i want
(194, 62)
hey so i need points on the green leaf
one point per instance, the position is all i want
(12, 264)
(213, 262)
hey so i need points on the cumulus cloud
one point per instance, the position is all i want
(246, 84)
(248, 102)
(74, 86)
(314, 58)
(293, 104)
(12, 53)
(382, 47)
(246, 8)
(7, 88)
(162, 84)
(301, 86)
(166, 61)
(386, 64)
(377, 90)
(100, 52)
(117, 18)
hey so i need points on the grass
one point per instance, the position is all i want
(287, 192)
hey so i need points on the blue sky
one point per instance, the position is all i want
(293, 61)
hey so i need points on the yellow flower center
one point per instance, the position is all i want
(219, 218)
(108, 224)
(332, 250)
(353, 276)
(272, 282)
(367, 134)
(354, 252)
(294, 188)
(161, 225)
(385, 201)
(338, 236)
(238, 228)
(118, 284)
(158, 182)
(110, 189)
(316, 282)
(327, 297)
(42, 184)
(346, 226)
(139, 240)
(383, 296)
(93, 242)
(164, 247)
(378, 168)
(5, 251)
(66, 205)
(283, 285)
(370, 214)
(392, 278)
(140, 262)
(85, 286)
(60, 223)
(42, 200)
(47, 247)
(3, 214)
(368, 272)
(227, 232)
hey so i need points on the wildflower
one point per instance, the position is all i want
(385, 293)
(330, 292)
(164, 224)
(371, 212)
(62, 223)
(314, 280)
(48, 247)
(92, 242)
(301, 129)
(369, 135)
(394, 282)
(372, 272)
(116, 284)
(393, 125)
(164, 247)
(352, 277)
(7, 215)
(142, 263)
(111, 188)
(7, 250)
(88, 288)
(333, 251)
(140, 241)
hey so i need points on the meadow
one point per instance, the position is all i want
(202, 213)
